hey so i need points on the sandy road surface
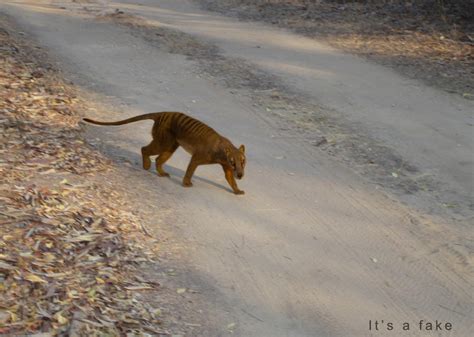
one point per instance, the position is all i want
(310, 250)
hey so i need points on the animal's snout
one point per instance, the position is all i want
(239, 175)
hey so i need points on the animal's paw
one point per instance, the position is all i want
(187, 183)
(146, 163)
(239, 192)
(164, 174)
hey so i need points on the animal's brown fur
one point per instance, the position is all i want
(206, 146)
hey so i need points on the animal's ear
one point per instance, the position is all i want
(242, 148)
(227, 152)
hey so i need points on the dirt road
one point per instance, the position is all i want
(312, 249)
(426, 128)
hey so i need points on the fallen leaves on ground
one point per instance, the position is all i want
(69, 249)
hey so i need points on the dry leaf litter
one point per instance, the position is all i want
(69, 249)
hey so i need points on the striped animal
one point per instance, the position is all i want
(206, 146)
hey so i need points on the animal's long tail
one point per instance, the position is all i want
(153, 116)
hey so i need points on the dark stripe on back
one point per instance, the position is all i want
(201, 129)
(180, 118)
(160, 119)
(186, 123)
(193, 127)
(178, 122)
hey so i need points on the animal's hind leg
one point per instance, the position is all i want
(147, 151)
(162, 158)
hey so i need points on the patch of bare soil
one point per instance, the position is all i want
(417, 41)
(72, 249)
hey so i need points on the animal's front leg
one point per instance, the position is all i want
(229, 176)
(193, 164)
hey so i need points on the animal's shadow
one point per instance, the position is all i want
(120, 154)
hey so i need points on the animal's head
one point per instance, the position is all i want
(236, 159)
